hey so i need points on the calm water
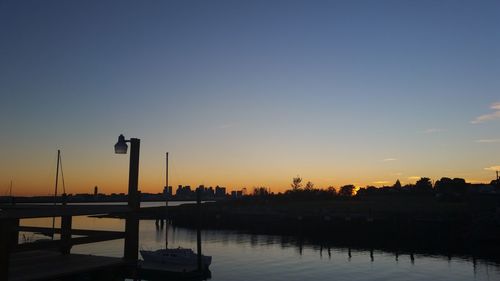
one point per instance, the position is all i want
(239, 256)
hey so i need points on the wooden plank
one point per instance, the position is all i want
(45, 265)
(97, 238)
(58, 230)
(57, 244)
(39, 245)
(24, 212)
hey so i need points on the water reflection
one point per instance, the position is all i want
(241, 256)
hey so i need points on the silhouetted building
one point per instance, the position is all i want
(184, 192)
(167, 191)
(236, 194)
(220, 191)
(96, 191)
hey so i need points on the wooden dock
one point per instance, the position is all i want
(52, 259)
(49, 265)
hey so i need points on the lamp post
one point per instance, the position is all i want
(132, 222)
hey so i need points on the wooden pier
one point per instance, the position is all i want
(52, 259)
(47, 265)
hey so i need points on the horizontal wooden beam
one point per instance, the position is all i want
(86, 232)
(38, 245)
(97, 236)
(40, 211)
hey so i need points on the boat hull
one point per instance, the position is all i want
(175, 257)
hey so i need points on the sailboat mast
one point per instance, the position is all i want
(166, 172)
(166, 202)
(55, 191)
(10, 194)
(57, 175)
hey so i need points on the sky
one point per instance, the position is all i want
(248, 93)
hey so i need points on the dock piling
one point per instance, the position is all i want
(198, 228)
(66, 222)
(131, 251)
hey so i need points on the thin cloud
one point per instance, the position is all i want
(412, 178)
(381, 182)
(389, 159)
(432, 131)
(488, 141)
(493, 168)
(488, 117)
(495, 106)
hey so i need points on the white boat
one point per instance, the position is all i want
(179, 256)
(182, 258)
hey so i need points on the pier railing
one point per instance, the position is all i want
(10, 228)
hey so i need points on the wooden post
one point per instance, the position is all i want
(132, 222)
(198, 228)
(8, 240)
(66, 222)
(14, 233)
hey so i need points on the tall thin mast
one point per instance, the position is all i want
(55, 192)
(10, 194)
(57, 175)
(166, 202)
(166, 173)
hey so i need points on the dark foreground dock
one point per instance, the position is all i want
(51, 259)
(50, 265)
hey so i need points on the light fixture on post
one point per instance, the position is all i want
(131, 252)
(121, 146)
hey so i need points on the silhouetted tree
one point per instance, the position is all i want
(423, 185)
(451, 188)
(261, 191)
(495, 183)
(397, 185)
(347, 190)
(296, 183)
(309, 186)
(331, 190)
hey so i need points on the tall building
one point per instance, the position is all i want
(220, 191)
(167, 191)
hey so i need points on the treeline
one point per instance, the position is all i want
(446, 189)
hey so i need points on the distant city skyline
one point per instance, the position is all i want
(248, 93)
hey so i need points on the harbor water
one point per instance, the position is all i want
(243, 256)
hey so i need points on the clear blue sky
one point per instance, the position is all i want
(248, 93)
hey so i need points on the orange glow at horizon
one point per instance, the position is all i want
(118, 184)
(87, 165)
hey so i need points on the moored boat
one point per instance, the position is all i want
(178, 256)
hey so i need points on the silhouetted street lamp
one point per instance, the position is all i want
(121, 146)
(132, 222)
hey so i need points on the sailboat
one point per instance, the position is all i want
(181, 257)
(175, 256)
(59, 167)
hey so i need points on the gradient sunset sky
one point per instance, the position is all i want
(248, 93)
